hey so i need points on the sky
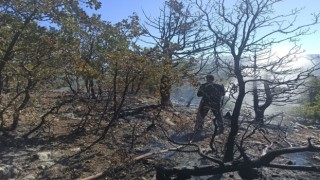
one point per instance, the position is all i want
(116, 10)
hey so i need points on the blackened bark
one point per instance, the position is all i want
(229, 146)
(259, 110)
(245, 168)
(165, 91)
(25, 101)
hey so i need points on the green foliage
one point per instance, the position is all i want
(32, 56)
(311, 106)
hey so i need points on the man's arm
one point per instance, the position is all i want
(200, 91)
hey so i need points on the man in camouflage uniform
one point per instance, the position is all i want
(211, 94)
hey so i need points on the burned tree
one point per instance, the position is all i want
(258, 108)
(278, 80)
(178, 37)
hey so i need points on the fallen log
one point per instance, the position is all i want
(187, 171)
(245, 167)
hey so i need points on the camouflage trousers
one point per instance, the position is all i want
(203, 111)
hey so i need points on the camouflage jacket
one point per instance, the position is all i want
(211, 93)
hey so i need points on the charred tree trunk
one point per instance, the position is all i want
(90, 88)
(259, 116)
(165, 90)
(25, 101)
(89, 77)
(245, 169)
(1, 84)
(166, 81)
(259, 110)
(229, 146)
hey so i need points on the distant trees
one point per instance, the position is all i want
(311, 101)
